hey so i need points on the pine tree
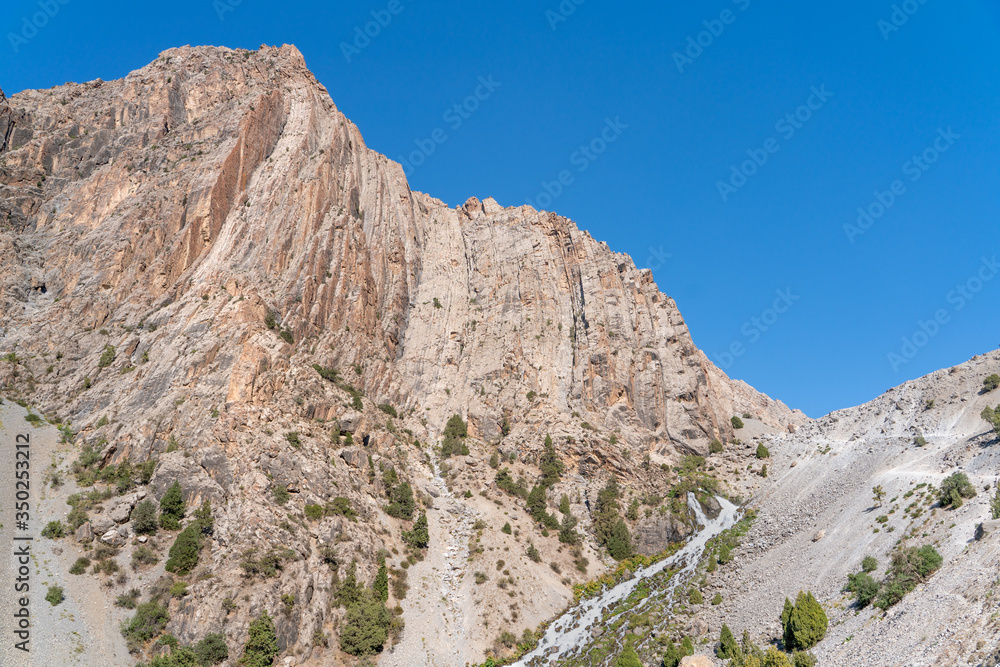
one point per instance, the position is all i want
(727, 644)
(172, 507)
(262, 644)
(551, 466)
(381, 583)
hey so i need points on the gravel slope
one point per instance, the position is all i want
(84, 628)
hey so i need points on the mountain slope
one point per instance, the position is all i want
(183, 248)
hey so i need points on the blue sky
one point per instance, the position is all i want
(910, 283)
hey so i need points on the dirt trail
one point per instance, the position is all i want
(84, 628)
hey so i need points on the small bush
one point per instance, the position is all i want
(54, 595)
(149, 620)
(920, 441)
(763, 452)
(992, 382)
(419, 537)
(54, 530)
(864, 587)
(212, 649)
(715, 447)
(143, 555)
(366, 627)
(506, 528)
(128, 600)
(736, 422)
(388, 409)
(80, 566)
(281, 494)
(869, 564)
(628, 658)
(533, 553)
(695, 596)
(717, 600)
(107, 357)
(314, 512)
(293, 439)
(954, 488)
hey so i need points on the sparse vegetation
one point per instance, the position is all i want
(991, 383)
(954, 489)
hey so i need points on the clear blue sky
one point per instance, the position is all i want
(653, 192)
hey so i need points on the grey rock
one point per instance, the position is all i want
(85, 533)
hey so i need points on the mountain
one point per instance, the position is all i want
(207, 278)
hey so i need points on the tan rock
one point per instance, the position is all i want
(696, 661)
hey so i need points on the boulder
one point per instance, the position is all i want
(354, 457)
(655, 533)
(196, 485)
(102, 524)
(350, 421)
(818, 535)
(122, 508)
(114, 538)
(696, 661)
(84, 533)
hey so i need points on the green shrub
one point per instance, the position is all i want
(80, 566)
(506, 528)
(869, 564)
(736, 422)
(144, 518)
(507, 484)
(54, 595)
(388, 409)
(717, 600)
(366, 627)
(533, 553)
(909, 568)
(262, 643)
(341, 506)
(381, 584)
(455, 433)
(54, 530)
(803, 659)
(172, 507)
(628, 658)
(212, 649)
(864, 587)
(763, 452)
(401, 502)
(954, 488)
(695, 597)
(715, 447)
(419, 537)
(803, 624)
(672, 656)
(128, 600)
(728, 648)
(293, 439)
(107, 357)
(143, 555)
(314, 512)
(149, 620)
(920, 441)
(991, 383)
(992, 416)
(281, 494)
(550, 464)
(184, 553)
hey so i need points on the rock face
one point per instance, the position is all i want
(207, 254)
(696, 661)
(657, 532)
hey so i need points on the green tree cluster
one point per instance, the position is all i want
(455, 433)
(609, 528)
(803, 624)
(954, 488)
(419, 536)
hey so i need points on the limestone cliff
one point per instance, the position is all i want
(179, 248)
